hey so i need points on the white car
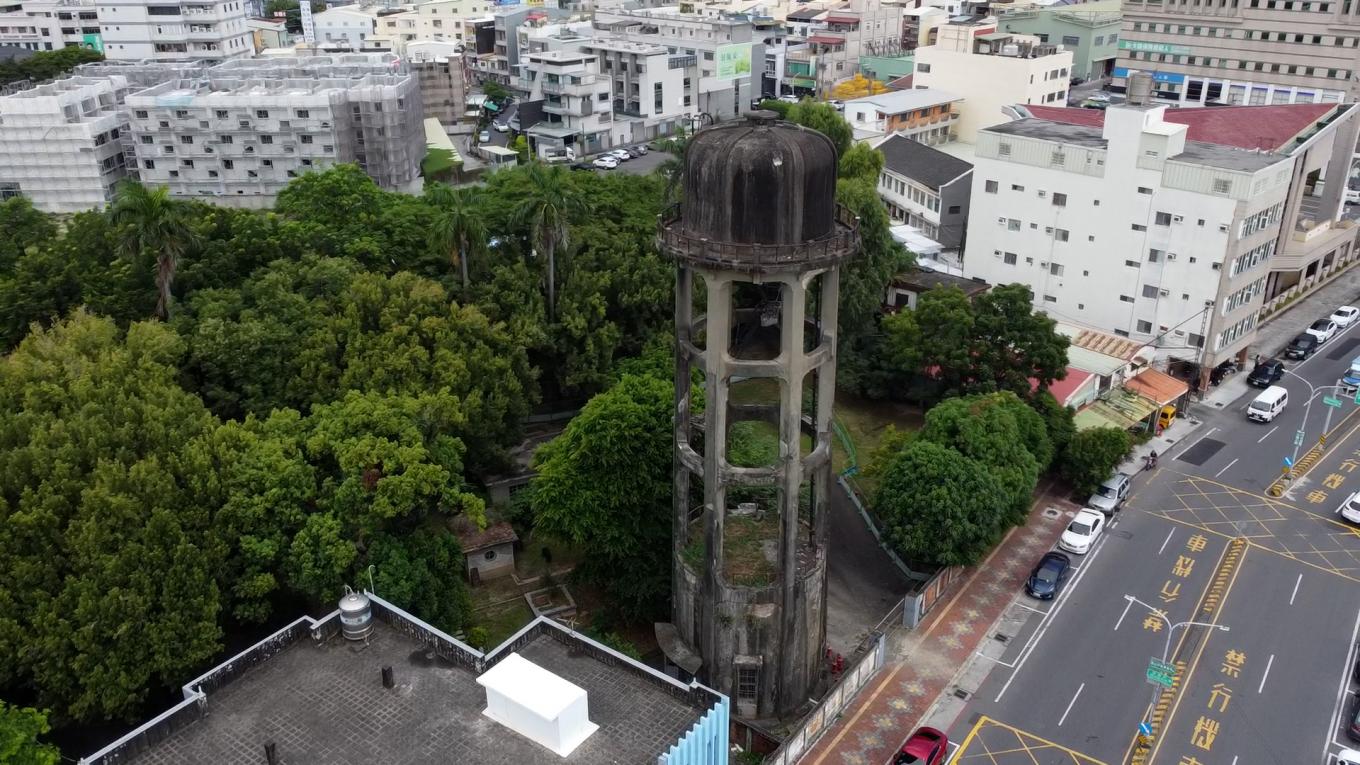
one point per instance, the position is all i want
(1100, 96)
(1348, 757)
(1082, 532)
(606, 162)
(621, 155)
(1323, 330)
(1350, 509)
(484, 136)
(501, 127)
(1345, 316)
(1352, 196)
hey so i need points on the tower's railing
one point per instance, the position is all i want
(823, 252)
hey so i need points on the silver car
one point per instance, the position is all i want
(1110, 494)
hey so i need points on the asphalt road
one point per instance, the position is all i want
(1273, 688)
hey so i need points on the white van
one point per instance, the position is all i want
(1269, 404)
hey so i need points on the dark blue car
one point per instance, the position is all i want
(1048, 577)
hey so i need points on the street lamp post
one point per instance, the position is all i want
(1313, 392)
(1170, 630)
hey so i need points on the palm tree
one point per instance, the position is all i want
(547, 211)
(458, 228)
(148, 220)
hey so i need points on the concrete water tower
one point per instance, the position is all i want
(758, 243)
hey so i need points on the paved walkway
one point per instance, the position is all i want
(922, 663)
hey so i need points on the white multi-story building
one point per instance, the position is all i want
(346, 27)
(243, 132)
(157, 30)
(577, 102)
(926, 189)
(61, 144)
(444, 19)
(920, 114)
(1169, 233)
(991, 71)
(50, 24)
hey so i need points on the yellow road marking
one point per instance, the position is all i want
(1194, 663)
(1022, 737)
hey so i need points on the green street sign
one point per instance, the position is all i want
(1157, 678)
(1160, 672)
(1329, 401)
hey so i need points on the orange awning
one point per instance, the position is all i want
(1157, 386)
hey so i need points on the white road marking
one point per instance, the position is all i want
(1164, 543)
(1031, 608)
(1295, 594)
(1127, 606)
(1267, 435)
(1234, 762)
(1341, 691)
(1044, 623)
(1063, 719)
(1191, 446)
(1225, 467)
(1266, 674)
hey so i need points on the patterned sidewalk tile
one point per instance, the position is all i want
(889, 707)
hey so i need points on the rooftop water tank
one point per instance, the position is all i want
(356, 615)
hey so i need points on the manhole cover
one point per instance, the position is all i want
(1000, 638)
(961, 693)
(1051, 512)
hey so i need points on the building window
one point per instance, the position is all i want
(1003, 148)
(1162, 219)
(149, 164)
(489, 555)
(228, 164)
(306, 139)
(146, 139)
(1126, 298)
(954, 209)
(186, 139)
(926, 68)
(1009, 258)
(1149, 291)
(1139, 227)
(1050, 299)
(1132, 263)
(1059, 200)
(1155, 255)
(1222, 185)
(1017, 187)
(303, 114)
(1144, 327)
(1055, 269)
(990, 187)
(266, 139)
(225, 138)
(1012, 224)
(1060, 234)
(140, 114)
(1144, 190)
(262, 114)
(746, 682)
(221, 114)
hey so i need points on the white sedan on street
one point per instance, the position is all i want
(621, 155)
(1082, 532)
(1350, 509)
(606, 162)
(1323, 330)
(1345, 316)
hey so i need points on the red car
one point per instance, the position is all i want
(926, 746)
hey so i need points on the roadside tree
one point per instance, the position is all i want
(1091, 456)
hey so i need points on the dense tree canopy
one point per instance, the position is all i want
(605, 484)
(20, 728)
(953, 346)
(47, 64)
(1091, 456)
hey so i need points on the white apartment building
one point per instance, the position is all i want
(239, 135)
(577, 102)
(695, 42)
(61, 144)
(1130, 227)
(444, 19)
(347, 27)
(991, 71)
(50, 24)
(141, 30)
(926, 189)
(922, 115)
(394, 30)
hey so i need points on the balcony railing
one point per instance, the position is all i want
(829, 250)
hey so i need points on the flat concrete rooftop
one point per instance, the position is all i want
(324, 704)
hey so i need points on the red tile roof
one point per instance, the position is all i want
(1063, 389)
(1244, 127)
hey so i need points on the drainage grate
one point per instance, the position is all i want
(962, 694)
(1001, 638)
